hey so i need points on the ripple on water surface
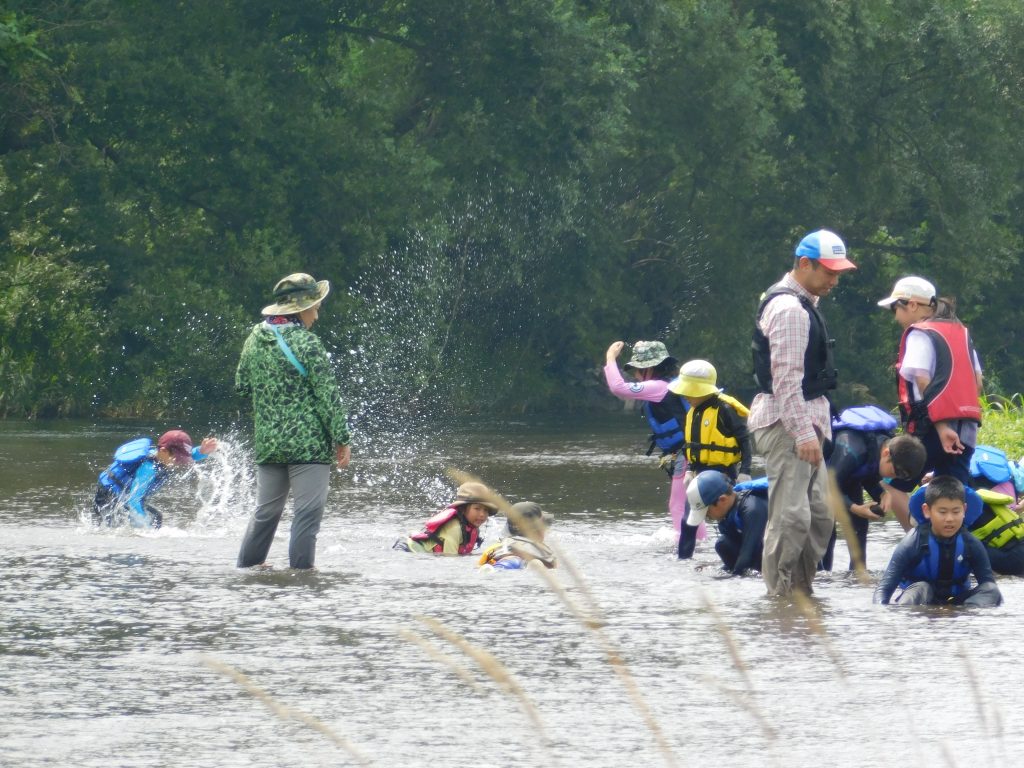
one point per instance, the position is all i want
(105, 633)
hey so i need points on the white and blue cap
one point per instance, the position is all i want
(828, 248)
(703, 491)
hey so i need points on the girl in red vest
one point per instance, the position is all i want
(455, 530)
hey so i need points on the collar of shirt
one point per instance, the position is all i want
(790, 282)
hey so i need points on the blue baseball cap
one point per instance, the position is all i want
(828, 248)
(703, 491)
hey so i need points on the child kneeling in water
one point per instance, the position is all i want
(934, 562)
(523, 539)
(455, 530)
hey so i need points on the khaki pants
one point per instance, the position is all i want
(799, 517)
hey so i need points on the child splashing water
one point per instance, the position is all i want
(653, 369)
(138, 471)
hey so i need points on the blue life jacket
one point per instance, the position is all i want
(733, 522)
(667, 419)
(927, 568)
(127, 460)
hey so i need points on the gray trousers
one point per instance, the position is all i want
(985, 595)
(799, 517)
(309, 484)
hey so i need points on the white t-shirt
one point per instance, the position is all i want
(919, 359)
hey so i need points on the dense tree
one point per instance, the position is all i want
(496, 189)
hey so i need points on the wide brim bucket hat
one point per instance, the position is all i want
(697, 378)
(296, 293)
(476, 493)
(647, 354)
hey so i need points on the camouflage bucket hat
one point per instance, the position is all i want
(647, 354)
(296, 293)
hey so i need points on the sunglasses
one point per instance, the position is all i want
(898, 303)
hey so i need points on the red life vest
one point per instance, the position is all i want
(953, 390)
(434, 524)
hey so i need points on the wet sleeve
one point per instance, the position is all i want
(141, 485)
(326, 393)
(754, 522)
(981, 566)
(900, 564)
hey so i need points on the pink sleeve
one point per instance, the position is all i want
(653, 391)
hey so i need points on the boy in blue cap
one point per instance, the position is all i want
(741, 518)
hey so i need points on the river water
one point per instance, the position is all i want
(128, 648)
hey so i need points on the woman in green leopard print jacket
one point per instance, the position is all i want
(300, 424)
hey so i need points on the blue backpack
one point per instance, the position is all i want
(991, 463)
(865, 418)
(127, 458)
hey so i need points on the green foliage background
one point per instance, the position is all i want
(497, 190)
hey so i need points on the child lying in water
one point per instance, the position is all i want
(455, 530)
(523, 539)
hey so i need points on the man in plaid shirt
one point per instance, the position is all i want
(790, 417)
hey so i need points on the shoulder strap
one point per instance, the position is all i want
(288, 351)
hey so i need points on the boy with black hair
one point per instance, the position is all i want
(862, 461)
(934, 562)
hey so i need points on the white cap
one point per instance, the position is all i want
(907, 288)
(703, 491)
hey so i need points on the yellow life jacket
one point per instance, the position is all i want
(706, 447)
(997, 525)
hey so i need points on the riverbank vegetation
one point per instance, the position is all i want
(496, 190)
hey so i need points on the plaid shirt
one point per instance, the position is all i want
(787, 326)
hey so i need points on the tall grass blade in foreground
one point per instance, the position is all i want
(591, 620)
(842, 516)
(442, 658)
(808, 609)
(494, 669)
(285, 712)
(994, 731)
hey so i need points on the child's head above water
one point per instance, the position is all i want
(526, 518)
(477, 502)
(945, 505)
